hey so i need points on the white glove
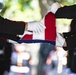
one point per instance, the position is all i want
(59, 40)
(37, 27)
(54, 7)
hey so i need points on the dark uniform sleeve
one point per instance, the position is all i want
(68, 12)
(11, 27)
(9, 36)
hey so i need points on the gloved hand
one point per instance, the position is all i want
(37, 27)
(54, 7)
(60, 41)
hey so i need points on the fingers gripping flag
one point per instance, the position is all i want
(47, 35)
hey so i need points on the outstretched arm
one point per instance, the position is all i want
(18, 27)
(68, 12)
(11, 27)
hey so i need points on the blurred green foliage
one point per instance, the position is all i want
(68, 2)
(30, 9)
(21, 10)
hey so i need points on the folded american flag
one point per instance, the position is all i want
(48, 35)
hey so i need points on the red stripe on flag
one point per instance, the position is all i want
(50, 23)
(27, 37)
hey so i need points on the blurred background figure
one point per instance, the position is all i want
(20, 61)
(44, 51)
(51, 61)
(51, 64)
